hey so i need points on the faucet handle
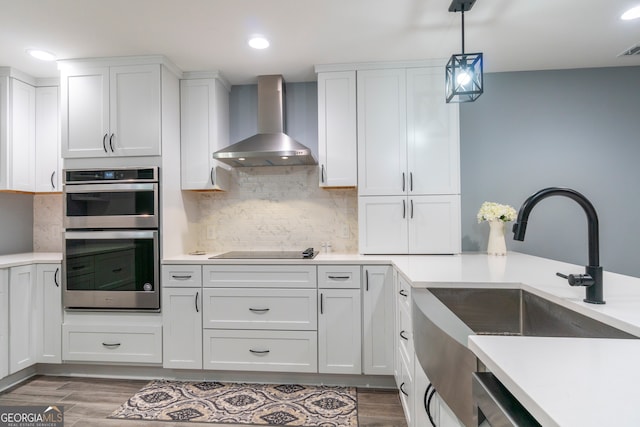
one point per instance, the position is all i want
(577, 279)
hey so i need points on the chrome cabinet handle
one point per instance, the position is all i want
(197, 295)
(339, 277)
(111, 143)
(403, 180)
(211, 176)
(55, 277)
(410, 181)
(403, 292)
(104, 142)
(53, 185)
(111, 345)
(403, 336)
(259, 351)
(411, 209)
(404, 209)
(185, 277)
(402, 390)
(322, 174)
(259, 310)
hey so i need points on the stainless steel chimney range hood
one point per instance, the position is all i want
(270, 146)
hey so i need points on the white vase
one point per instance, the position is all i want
(496, 244)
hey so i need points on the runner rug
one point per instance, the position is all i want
(250, 404)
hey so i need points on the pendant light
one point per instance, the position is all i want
(464, 81)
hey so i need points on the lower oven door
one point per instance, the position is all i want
(111, 270)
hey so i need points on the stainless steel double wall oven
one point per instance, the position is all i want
(111, 240)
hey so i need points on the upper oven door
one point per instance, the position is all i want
(111, 206)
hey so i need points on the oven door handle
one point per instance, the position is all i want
(109, 188)
(107, 235)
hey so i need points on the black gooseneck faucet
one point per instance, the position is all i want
(592, 279)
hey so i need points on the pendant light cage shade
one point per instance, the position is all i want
(464, 79)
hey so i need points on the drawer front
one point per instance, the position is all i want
(259, 276)
(404, 293)
(104, 343)
(339, 276)
(289, 309)
(179, 276)
(280, 351)
(77, 266)
(405, 336)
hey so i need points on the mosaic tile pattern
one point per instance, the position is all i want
(251, 404)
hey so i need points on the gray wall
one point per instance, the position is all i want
(573, 128)
(301, 115)
(16, 223)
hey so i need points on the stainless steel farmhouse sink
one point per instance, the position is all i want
(443, 318)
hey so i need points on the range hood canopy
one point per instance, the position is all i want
(270, 146)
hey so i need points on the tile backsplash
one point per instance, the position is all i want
(268, 208)
(278, 208)
(47, 223)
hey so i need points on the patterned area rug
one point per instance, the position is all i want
(251, 404)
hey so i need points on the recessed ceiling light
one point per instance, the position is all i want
(258, 42)
(633, 13)
(41, 54)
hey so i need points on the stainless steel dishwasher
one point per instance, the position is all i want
(495, 406)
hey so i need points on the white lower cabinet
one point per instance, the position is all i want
(22, 317)
(182, 316)
(339, 320)
(49, 313)
(378, 320)
(249, 350)
(112, 337)
(4, 323)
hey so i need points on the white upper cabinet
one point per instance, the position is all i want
(433, 141)
(382, 132)
(337, 138)
(204, 129)
(17, 135)
(111, 111)
(47, 156)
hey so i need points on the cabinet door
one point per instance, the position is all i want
(382, 223)
(49, 314)
(22, 138)
(47, 140)
(432, 135)
(4, 323)
(204, 129)
(85, 112)
(337, 124)
(382, 129)
(420, 385)
(434, 225)
(378, 320)
(22, 318)
(182, 328)
(339, 331)
(134, 112)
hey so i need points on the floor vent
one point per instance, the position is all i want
(633, 50)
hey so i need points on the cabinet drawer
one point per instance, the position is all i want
(284, 351)
(404, 294)
(178, 276)
(291, 309)
(405, 338)
(339, 276)
(106, 343)
(259, 276)
(79, 265)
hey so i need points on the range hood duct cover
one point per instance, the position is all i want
(270, 146)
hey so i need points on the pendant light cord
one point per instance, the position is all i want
(462, 12)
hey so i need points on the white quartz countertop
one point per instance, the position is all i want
(567, 382)
(26, 258)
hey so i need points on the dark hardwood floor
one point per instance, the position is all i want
(88, 401)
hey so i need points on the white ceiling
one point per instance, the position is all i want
(200, 35)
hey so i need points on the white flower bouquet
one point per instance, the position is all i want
(490, 211)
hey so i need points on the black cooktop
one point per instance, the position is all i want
(308, 253)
